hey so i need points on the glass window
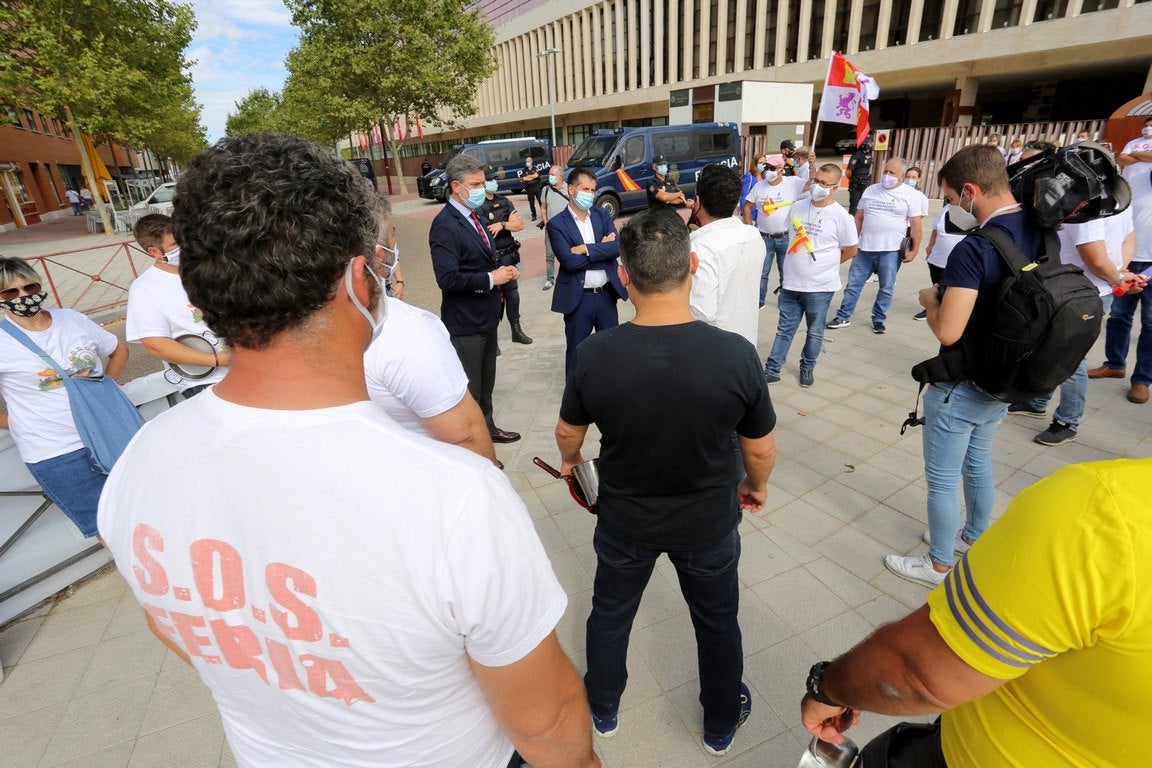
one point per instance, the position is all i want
(1007, 13)
(675, 146)
(46, 125)
(967, 17)
(12, 116)
(633, 150)
(930, 21)
(869, 20)
(20, 188)
(715, 143)
(30, 121)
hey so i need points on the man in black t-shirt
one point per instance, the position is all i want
(667, 393)
(859, 173)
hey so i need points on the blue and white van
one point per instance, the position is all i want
(503, 160)
(622, 159)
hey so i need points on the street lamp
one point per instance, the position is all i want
(548, 53)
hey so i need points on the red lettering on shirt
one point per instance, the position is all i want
(149, 573)
(239, 646)
(160, 621)
(186, 626)
(219, 574)
(321, 670)
(284, 583)
(286, 676)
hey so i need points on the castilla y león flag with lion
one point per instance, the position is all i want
(847, 92)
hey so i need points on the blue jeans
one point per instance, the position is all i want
(777, 249)
(709, 583)
(794, 304)
(73, 482)
(960, 424)
(1119, 331)
(885, 264)
(1073, 392)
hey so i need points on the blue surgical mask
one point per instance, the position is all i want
(910, 183)
(762, 167)
(662, 169)
(491, 186)
(476, 198)
(584, 200)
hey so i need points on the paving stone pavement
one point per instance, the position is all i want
(88, 686)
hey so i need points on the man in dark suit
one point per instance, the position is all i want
(464, 260)
(587, 284)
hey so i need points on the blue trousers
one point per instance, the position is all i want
(885, 264)
(595, 311)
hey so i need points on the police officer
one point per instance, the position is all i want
(500, 217)
(425, 167)
(788, 149)
(531, 179)
(859, 173)
(662, 191)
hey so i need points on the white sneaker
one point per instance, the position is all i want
(960, 546)
(547, 285)
(873, 279)
(917, 568)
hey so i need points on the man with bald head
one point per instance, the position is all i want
(886, 212)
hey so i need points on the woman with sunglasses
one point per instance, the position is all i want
(39, 415)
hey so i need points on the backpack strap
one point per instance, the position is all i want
(1014, 259)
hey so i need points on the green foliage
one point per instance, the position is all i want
(119, 64)
(364, 61)
(258, 111)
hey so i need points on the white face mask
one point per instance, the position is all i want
(770, 175)
(963, 220)
(890, 181)
(818, 192)
(173, 256)
(1146, 132)
(376, 322)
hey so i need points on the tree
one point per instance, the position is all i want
(258, 111)
(108, 67)
(365, 63)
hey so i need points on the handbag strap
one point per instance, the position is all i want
(17, 333)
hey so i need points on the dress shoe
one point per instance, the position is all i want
(500, 436)
(499, 464)
(1138, 393)
(1104, 372)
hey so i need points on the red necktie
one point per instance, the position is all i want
(480, 231)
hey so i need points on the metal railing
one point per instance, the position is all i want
(91, 279)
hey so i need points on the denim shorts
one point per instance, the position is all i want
(73, 481)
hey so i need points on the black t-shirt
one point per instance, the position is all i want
(666, 400)
(860, 164)
(656, 185)
(498, 209)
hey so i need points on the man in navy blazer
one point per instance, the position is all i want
(587, 284)
(464, 260)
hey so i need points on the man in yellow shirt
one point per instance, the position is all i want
(1037, 647)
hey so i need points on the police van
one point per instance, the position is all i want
(622, 159)
(503, 160)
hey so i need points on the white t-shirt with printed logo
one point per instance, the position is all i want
(829, 229)
(1139, 177)
(39, 413)
(1072, 235)
(787, 191)
(331, 574)
(1138, 173)
(945, 240)
(887, 214)
(158, 306)
(412, 369)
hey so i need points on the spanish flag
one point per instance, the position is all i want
(801, 237)
(770, 208)
(626, 181)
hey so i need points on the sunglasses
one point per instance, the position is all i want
(8, 294)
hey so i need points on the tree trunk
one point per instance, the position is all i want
(393, 147)
(89, 174)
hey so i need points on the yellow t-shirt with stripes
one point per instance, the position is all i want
(1056, 599)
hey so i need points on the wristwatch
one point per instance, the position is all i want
(815, 677)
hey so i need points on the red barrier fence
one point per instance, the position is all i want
(91, 279)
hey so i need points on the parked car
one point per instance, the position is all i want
(160, 199)
(504, 159)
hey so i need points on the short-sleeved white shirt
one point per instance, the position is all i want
(411, 368)
(331, 575)
(886, 216)
(39, 413)
(1137, 173)
(945, 241)
(158, 306)
(829, 228)
(1072, 235)
(787, 191)
(726, 285)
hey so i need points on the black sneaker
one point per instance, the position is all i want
(1023, 409)
(806, 378)
(921, 315)
(719, 745)
(771, 378)
(1056, 434)
(879, 328)
(836, 322)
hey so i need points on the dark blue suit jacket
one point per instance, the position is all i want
(462, 263)
(563, 234)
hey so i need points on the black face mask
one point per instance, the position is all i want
(25, 306)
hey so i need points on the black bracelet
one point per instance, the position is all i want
(815, 677)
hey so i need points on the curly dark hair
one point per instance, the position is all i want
(718, 188)
(267, 224)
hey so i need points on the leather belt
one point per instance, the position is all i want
(601, 289)
(775, 234)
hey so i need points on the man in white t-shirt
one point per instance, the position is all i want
(353, 594)
(888, 211)
(824, 236)
(1086, 246)
(771, 198)
(159, 313)
(730, 256)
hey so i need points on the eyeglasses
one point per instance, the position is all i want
(8, 294)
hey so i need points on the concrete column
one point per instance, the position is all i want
(854, 26)
(1148, 82)
(518, 75)
(916, 18)
(501, 79)
(645, 43)
(781, 32)
(740, 49)
(704, 42)
(760, 43)
(948, 20)
(884, 25)
(598, 57)
(721, 24)
(829, 32)
(672, 49)
(987, 11)
(1027, 12)
(969, 87)
(1074, 8)
(805, 30)
(571, 57)
(619, 53)
(659, 43)
(689, 59)
(586, 50)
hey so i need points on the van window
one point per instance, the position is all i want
(633, 150)
(675, 146)
(593, 151)
(715, 143)
(537, 152)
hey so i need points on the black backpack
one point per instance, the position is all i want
(1047, 317)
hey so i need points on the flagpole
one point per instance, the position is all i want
(827, 74)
